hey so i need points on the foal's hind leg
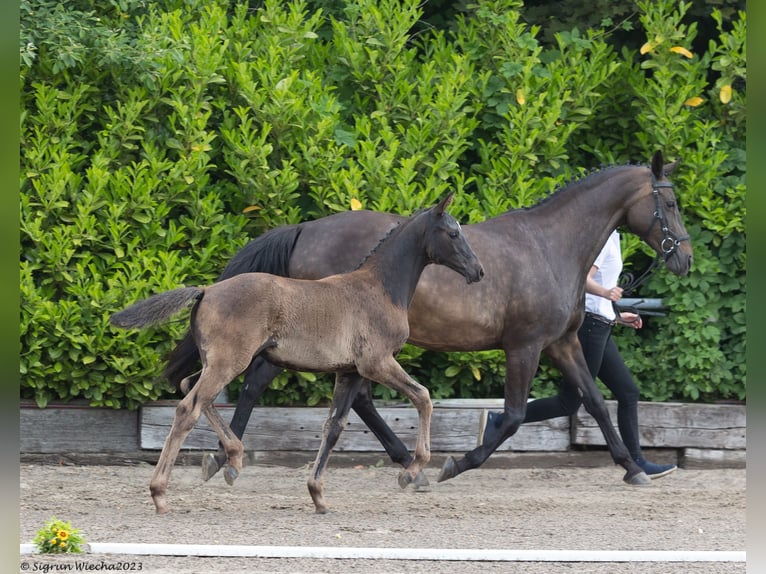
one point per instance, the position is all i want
(346, 386)
(188, 411)
(258, 377)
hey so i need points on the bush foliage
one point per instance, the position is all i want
(159, 137)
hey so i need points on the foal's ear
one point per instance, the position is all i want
(444, 203)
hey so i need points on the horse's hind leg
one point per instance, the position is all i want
(396, 449)
(346, 386)
(258, 377)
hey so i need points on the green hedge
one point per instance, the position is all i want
(158, 137)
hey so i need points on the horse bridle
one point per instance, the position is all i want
(668, 245)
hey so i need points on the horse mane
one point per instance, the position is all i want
(576, 180)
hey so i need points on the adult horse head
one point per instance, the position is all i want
(656, 219)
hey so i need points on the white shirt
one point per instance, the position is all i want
(609, 264)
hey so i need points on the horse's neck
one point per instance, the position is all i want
(397, 263)
(578, 220)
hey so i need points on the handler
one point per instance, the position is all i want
(603, 359)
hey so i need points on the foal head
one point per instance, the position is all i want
(446, 245)
(655, 218)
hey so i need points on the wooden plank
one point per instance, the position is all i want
(702, 458)
(300, 429)
(673, 425)
(71, 428)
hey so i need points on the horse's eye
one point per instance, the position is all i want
(453, 234)
(671, 204)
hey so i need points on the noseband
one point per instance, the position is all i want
(668, 245)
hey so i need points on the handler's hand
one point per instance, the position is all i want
(631, 320)
(614, 294)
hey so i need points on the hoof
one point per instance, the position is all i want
(405, 479)
(638, 479)
(421, 484)
(210, 466)
(449, 470)
(230, 475)
(160, 504)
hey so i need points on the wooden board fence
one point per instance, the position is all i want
(697, 435)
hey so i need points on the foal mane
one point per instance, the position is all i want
(389, 234)
(381, 241)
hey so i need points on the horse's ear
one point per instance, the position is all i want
(669, 167)
(657, 165)
(444, 203)
(658, 169)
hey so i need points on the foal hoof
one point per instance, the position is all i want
(421, 484)
(230, 475)
(405, 479)
(638, 479)
(209, 466)
(449, 470)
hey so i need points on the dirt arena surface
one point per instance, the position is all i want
(489, 508)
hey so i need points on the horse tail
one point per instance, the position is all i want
(267, 253)
(156, 309)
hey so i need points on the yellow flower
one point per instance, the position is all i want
(356, 205)
(63, 534)
(520, 98)
(693, 102)
(682, 51)
(647, 47)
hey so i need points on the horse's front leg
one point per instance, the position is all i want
(258, 377)
(568, 357)
(396, 449)
(390, 373)
(520, 368)
(346, 387)
(574, 368)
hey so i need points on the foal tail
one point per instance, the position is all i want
(267, 253)
(156, 309)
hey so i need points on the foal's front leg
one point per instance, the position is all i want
(391, 374)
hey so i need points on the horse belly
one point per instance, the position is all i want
(446, 314)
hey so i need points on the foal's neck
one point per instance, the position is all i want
(398, 261)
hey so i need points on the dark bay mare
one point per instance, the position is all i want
(531, 300)
(352, 324)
